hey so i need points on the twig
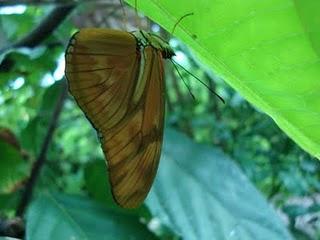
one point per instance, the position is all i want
(44, 29)
(6, 3)
(38, 164)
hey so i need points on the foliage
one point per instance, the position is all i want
(260, 48)
(59, 217)
(202, 189)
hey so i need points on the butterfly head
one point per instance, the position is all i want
(149, 39)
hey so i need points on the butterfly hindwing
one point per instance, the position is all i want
(120, 89)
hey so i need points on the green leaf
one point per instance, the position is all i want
(70, 217)
(267, 50)
(202, 194)
(13, 168)
(97, 184)
(96, 181)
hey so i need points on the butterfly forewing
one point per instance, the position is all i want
(120, 89)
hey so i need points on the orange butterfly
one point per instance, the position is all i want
(116, 77)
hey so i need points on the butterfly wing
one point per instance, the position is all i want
(121, 93)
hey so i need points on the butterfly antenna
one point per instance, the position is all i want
(180, 19)
(125, 17)
(204, 84)
(188, 87)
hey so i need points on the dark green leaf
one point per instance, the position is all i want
(70, 217)
(97, 184)
(202, 194)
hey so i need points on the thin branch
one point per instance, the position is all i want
(6, 3)
(38, 164)
(44, 29)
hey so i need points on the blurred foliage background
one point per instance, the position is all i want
(32, 83)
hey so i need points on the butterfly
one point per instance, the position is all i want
(117, 79)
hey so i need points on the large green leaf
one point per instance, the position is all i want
(201, 194)
(70, 217)
(267, 50)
